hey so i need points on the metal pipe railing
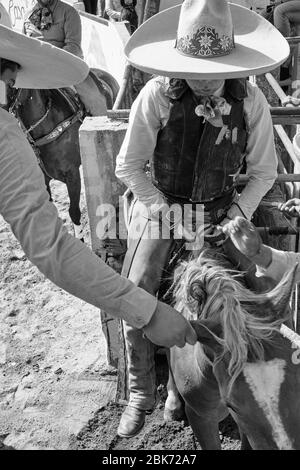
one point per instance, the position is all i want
(243, 179)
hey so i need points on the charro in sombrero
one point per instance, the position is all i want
(207, 39)
(41, 64)
(196, 126)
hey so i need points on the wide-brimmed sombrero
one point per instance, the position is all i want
(207, 39)
(41, 64)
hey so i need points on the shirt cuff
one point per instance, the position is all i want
(236, 211)
(139, 309)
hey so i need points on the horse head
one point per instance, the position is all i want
(257, 369)
(28, 105)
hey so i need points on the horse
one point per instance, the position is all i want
(51, 120)
(244, 363)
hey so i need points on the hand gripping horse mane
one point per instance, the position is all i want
(51, 119)
(244, 363)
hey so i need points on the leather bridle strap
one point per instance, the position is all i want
(59, 129)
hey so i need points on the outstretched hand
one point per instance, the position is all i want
(168, 328)
(244, 236)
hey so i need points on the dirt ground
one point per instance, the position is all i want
(100, 432)
(53, 371)
(52, 352)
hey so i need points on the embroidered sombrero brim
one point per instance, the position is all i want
(42, 65)
(259, 48)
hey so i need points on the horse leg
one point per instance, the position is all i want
(73, 183)
(205, 428)
(174, 408)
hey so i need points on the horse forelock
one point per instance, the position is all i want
(209, 289)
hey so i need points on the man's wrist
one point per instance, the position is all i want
(263, 257)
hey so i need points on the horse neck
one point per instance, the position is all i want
(267, 397)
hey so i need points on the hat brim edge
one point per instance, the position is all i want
(160, 59)
(42, 65)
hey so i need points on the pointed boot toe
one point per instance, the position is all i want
(132, 422)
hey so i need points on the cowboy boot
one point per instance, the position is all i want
(132, 422)
(141, 379)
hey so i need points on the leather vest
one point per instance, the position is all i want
(194, 160)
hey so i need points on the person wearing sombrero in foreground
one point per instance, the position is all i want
(25, 205)
(197, 123)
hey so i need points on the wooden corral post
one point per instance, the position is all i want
(124, 98)
(100, 140)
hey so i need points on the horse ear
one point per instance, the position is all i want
(207, 331)
(279, 297)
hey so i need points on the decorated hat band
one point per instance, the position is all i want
(205, 29)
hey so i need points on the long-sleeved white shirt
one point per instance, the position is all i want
(24, 204)
(150, 112)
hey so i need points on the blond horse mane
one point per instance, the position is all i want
(209, 289)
